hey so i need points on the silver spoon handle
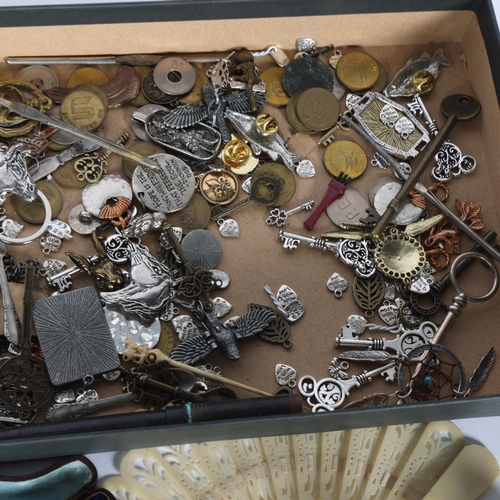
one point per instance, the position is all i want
(11, 323)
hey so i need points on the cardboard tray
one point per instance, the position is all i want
(393, 33)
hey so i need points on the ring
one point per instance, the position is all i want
(33, 237)
(488, 262)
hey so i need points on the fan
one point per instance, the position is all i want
(407, 462)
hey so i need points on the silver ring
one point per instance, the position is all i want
(488, 262)
(33, 237)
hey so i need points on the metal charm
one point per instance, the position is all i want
(379, 116)
(185, 327)
(285, 375)
(305, 169)
(389, 313)
(450, 163)
(221, 306)
(59, 229)
(11, 228)
(336, 284)
(117, 248)
(77, 320)
(336, 369)
(368, 292)
(278, 217)
(50, 244)
(228, 228)
(287, 303)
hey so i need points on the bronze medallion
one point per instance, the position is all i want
(83, 109)
(272, 184)
(195, 95)
(344, 157)
(66, 176)
(34, 212)
(82, 76)
(218, 186)
(293, 119)
(275, 93)
(317, 109)
(144, 148)
(153, 93)
(195, 215)
(357, 71)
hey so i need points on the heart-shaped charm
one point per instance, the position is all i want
(305, 169)
(11, 228)
(228, 228)
(421, 284)
(389, 313)
(221, 306)
(357, 322)
(404, 127)
(285, 375)
(336, 284)
(388, 115)
(294, 310)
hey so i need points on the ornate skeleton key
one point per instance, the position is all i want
(278, 217)
(91, 167)
(352, 253)
(402, 344)
(416, 106)
(329, 393)
(62, 280)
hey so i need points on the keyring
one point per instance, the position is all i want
(488, 262)
(33, 237)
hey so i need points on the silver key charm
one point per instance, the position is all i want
(278, 217)
(416, 106)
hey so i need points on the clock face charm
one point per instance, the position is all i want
(399, 256)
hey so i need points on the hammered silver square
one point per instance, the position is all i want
(74, 335)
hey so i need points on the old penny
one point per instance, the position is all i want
(66, 176)
(195, 215)
(141, 99)
(305, 73)
(82, 76)
(293, 119)
(34, 212)
(357, 71)
(346, 157)
(153, 93)
(275, 93)
(317, 108)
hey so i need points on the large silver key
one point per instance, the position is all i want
(278, 217)
(329, 393)
(401, 344)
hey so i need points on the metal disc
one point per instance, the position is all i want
(350, 207)
(174, 76)
(95, 196)
(143, 148)
(195, 215)
(168, 189)
(81, 221)
(202, 248)
(40, 76)
(305, 73)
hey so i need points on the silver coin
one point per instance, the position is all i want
(350, 207)
(81, 221)
(377, 185)
(40, 76)
(174, 76)
(168, 189)
(202, 248)
(407, 213)
(138, 127)
(61, 137)
(95, 196)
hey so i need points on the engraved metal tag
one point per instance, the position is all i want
(285, 375)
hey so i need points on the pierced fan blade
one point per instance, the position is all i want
(124, 87)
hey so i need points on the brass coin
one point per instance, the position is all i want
(219, 187)
(81, 76)
(97, 91)
(317, 109)
(274, 176)
(66, 176)
(166, 342)
(83, 109)
(423, 81)
(381, 81)
(34, 212)
(195, 215)
(357, 71)
(195, 95)
(293, 119)
(144, 148)
(275, 93)
(153, 93)
(141, 99)
(344, 157)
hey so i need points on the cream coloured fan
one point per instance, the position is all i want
(399, 462)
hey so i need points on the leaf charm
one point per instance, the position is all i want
(369, 292)
(377, 399)
(481, 372)
(124, 87)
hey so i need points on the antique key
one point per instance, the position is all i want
(278, 217)
(416, 106)
(24, 379)
(91, 167)
(329, 393)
